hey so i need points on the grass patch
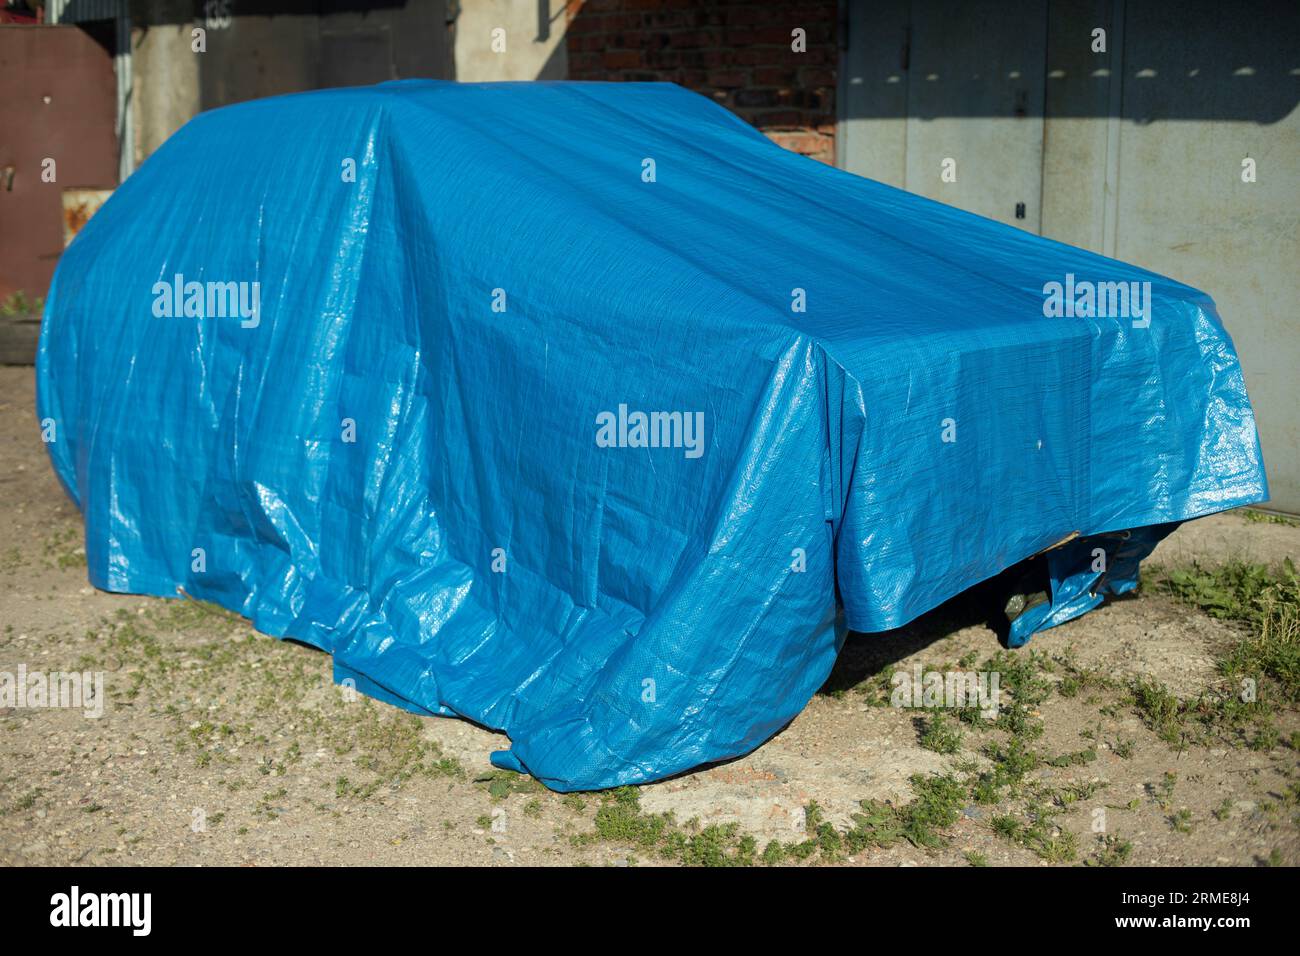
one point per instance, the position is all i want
(620, 819)
(940, 735)
(1260, 671)
(1265, 517)
(1038, 832)
(937, 806)
(502, 783)
(1111, 851)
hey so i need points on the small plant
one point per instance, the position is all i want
(1111, 851)
(1265, 517)
(1163, 793)
(937, 806)
(1158, 709)
(1266, 600)
(18, 303)
(1266, 738)
(941, 736)
(1060, 848)
(502, 783)
(1076, 759)
(1007, 826)
(1075, 792)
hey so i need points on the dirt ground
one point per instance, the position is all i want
(219, 745)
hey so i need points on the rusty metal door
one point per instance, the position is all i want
(58, 118)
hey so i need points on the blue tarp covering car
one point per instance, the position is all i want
(586, 413)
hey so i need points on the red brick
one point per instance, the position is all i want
(773, 76)
(737, 52)
(671, 20)
(756, 98)
(806, 144)
(663, 59)
(583, 62)
(816, 76)
(778, 118)
(623, 59)
(693, 58)
(728, 79)
(695, 38)
(765, 36)
(751, 15)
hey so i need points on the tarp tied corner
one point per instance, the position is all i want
(436, 378)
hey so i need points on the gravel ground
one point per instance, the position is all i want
(219, 745)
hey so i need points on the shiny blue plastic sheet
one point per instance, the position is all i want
(407, 432)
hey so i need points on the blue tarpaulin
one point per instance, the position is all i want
(587, 413)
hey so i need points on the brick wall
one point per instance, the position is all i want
(739, 53)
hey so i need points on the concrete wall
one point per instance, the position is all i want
(285, 47)
(532, 34)
(1183, 210)
(1141, 149)
(316, 45)
(165, 81)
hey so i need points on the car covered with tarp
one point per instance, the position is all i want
(587, 413)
